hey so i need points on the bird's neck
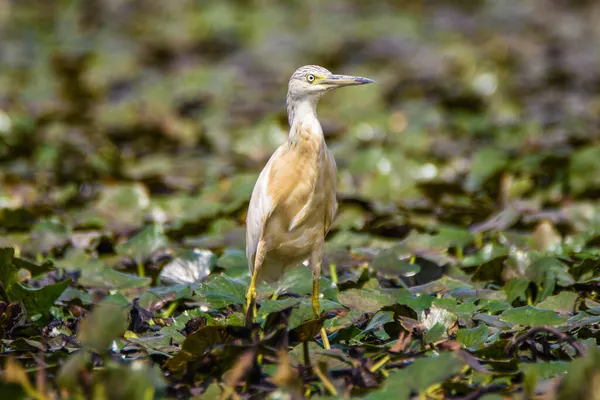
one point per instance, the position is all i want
(303, 120)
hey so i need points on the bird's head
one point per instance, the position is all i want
(311, 81)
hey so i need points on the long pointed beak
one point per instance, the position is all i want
(345, 80)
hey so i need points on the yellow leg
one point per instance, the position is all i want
(315, 263)
(251, 293)
(316, 305)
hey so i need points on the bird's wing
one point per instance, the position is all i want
(261, 206)
(332, 205)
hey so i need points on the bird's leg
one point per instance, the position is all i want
(316, 260)
(251, 293)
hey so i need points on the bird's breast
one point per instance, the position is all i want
(300, 183)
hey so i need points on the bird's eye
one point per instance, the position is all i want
(310, 78)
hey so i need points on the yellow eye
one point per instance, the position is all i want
(310, 78)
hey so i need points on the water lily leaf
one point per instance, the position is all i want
(486, 162)
(544, 272)
(50, 233)
(38, 301)
(581, 163)
(197, 343)
(379, 319)
(417, 303)
(303, 311)
(298, 280)
(109, 278)
(435, 333)
(531, 316)
(344, 320)
(233, 258)
(582, 318)
(418, 376)
(516, 289)
(141, 246)
(562, 302)
(368, 301)
(234, 262)
(123, 206)
(271, 306)
(473, 338)
(389, 261)
(222, 291)
(34, 269)
(306, 330)
(8, 272)
(190, 266)
(452, 236)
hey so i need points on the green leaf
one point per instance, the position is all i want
(344, 320)
(197, 343)
(270, 306)
(34, 269)
(38, 301)
(452, 236)
(473, 338)
(368, 301)
(581, 163)
(516, 289)
(123, 206)
(50, 233)
(418, 376)
(531, 316)
(298, 280)
(222, 291)
(435, 333)
(562, 302)
(379, 319)
(234, 262)
(141, 246)
(417, 303)
(8, 272)
(544, 272)
(390, 261)
(233, 258)
(302, 309)
(487, 161)
(108, 278)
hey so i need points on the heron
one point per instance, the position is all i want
(294, 199)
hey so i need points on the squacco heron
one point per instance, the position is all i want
(294, 200)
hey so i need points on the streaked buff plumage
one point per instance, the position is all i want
(294, 200)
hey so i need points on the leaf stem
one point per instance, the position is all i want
(380, 363)
(326, 382)
(333, 273)
(140, 270)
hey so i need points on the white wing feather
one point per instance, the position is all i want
(261, 206)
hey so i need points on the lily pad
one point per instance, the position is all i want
(368, 301)
(531, 316)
